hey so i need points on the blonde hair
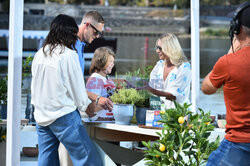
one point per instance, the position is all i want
(100, 59)
(171, 47)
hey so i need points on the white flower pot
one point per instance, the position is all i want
(123, 113)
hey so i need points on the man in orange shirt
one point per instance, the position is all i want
(232, 71)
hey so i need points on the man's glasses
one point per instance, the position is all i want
(158, 47)
(97, 33)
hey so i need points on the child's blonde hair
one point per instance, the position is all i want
(100, 59)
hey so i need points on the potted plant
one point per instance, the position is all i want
(142, 105)
(183, 141)
(3, 97)
(3, 86)
(124, 100)
(138, 79)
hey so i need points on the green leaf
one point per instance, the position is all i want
(187, 145)
(179, 157)
(194, 117)
(180, 138)
(159, 134)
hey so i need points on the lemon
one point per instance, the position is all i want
(162, 147)
(181, 120)
(162, 112)
(4, 137)
(157, 155)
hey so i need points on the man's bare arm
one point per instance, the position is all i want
(105, 103)
(207, 86)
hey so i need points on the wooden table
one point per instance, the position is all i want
(104, 133)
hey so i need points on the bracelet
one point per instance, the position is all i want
(97, 99)
(93, 118)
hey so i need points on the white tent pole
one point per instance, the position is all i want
(14, 82)
(195, 53)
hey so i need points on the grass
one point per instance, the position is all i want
(214, 32)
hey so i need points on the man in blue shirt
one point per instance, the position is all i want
(91, 27)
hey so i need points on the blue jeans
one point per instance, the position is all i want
(70, 131)
(230, 154)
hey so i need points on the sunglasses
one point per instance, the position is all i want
(158, 47)
(96, 32)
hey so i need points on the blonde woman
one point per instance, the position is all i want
(99, 83)
(171, 77)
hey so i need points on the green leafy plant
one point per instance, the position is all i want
(125, 96)
(144, 98)
(27, 66)
(3, 90)
(183, 139)
(139, 77)
(2, 133)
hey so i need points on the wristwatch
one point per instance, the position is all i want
(97, 99)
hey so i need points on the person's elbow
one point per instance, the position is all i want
(208, 91)
(208, 88)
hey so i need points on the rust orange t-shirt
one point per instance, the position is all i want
(233, 72)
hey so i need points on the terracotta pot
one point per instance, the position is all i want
(30, 151)
(213, 118)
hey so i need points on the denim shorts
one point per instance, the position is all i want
(230, 154)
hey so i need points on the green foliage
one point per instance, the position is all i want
(144, 98)
(125, 96)
(3, 90)
(27, 66)
(2, 133)
(189, 139)
(215, 32)
(139, 77)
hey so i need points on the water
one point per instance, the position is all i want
(130, 55)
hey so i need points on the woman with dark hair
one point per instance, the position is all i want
(57, 90)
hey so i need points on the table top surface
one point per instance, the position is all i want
(126, 128)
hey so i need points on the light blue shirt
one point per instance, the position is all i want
(80, 51)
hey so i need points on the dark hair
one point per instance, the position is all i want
(100, 59)
(63, 31)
